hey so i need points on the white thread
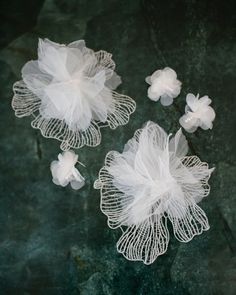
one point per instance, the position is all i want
(70, 92)
(150, 181)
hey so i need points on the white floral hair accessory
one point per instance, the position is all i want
(198, 113)
(64, 171)
(151, 181)
(164, 85)
(70, 92)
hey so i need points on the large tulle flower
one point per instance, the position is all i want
(70, 92)
(150, 181)
(164, 85)
(198, 113)
(64, 171)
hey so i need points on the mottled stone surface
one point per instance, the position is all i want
(55, 240)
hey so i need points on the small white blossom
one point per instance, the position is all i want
(64, 171)
(164, 86)
(198, 113)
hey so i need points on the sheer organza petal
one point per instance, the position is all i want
(77, 44)
(191, 101)
(166, 100)
(205, 100)
(207, 118)
(178, 144)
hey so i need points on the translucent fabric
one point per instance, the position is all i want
(151, 181)
(64, 171)
(164, 85)
(198, 113)
(70, 92)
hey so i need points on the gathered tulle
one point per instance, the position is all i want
(64, 171)
(164, 85)
(198, 113)
(150, 181)
(72, 89)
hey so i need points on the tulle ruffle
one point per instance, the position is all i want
(150, 181)
(70, 91)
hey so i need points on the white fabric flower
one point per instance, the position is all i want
(164, 85)
(70, 91)
(198, 113)
(64, 171)
(150, 181)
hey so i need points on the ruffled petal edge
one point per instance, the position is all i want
(25, 103)
(111, 198)
(123, 107)
(57, 129)
(146, 241)
(193, 223)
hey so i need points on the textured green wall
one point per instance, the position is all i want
(55, 240)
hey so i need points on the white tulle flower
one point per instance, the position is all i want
(64, 171)
(198, 113)
(164, 85)
(70, 92)
(150, 181)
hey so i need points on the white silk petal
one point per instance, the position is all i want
(114, 81)
(191, 101)
(198, 113)
(148, 80)
(179, 145)
(163, 85)
(189, 122)
(64, 171)
(80, 44)
(166, 100)
(208, 116)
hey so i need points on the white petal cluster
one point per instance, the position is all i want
(164, 85)
(64, 171)
(198, 113)
(151, 181)
(72, 89)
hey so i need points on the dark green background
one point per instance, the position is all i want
(54, 240)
